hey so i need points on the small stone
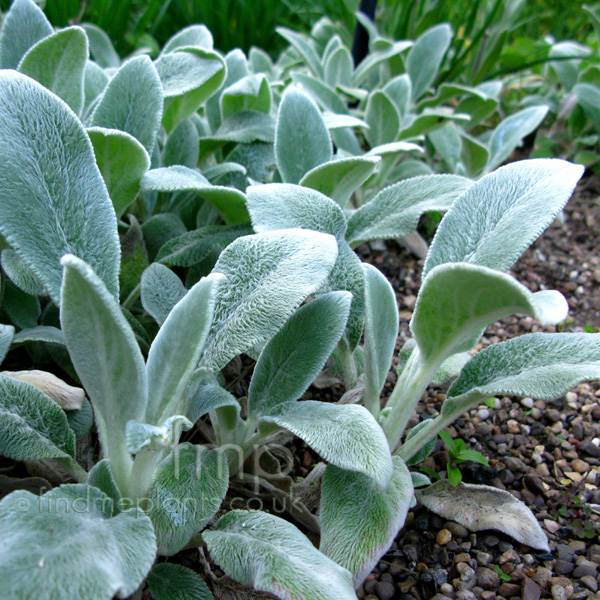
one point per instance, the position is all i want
(487, 579)
(551, 526)
(462, 557)
(385, 590)
(456, 529)
(491, 541)
(369, 585)
(578, 546)
(483, 558)
(466, 595)
(542, 576)
(509, 556)
(488, 595)
(439, 597)
(483, 414)
(443, 537)
(562, 567)
(531, 590)
(527, 402)
(580, 466)
(513, 426)
(565, 552)
(559, 593)
(590, 583)
(447, 589)
(507, 590)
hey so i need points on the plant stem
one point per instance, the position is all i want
(142, 474)
(349, 370)
(133, 296)
(403, 401)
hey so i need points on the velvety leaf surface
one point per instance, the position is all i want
(161, 291)
(268, 276)
(270, 554)
(67, 544)
(58, 63)
(359, 521)
(188, 489)
(32, 425)
(503, 213)
(54, 187)
(176, 582)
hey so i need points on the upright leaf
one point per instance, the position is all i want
(425, 57)
(187, 491)
(58, 63)
(383, 119)
(23, 26)
(395, 211)
(497, 219)
(268, 276)
(193, 35)
(7, 333)
(339, 179)
(132, 102)
(20, 274)
(271, 555)
(122, 161)
(183, 146)
(67, 544)
(284, 206)
(54, 201)
(306, 51)
(359, 521)
(302, 141)
(106, 357)
(176, 349)
(161, 291)
(101, 47)
(249, 93)
(511, 131)
(381, 332)
(295, 355)
(458, 300)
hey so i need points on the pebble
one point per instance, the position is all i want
(491, 541)
(456, 529)
(385, 590)
(580, 466)
(483, 558)
(590, 583)
(562, 567)
(443, 537)
(509, 589)
(483, 414)
(466, 595)
(559, 593)
(487, 579)
(531, 590)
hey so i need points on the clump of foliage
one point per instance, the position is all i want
(119, 178)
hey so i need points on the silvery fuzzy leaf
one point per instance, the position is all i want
(187, 491)
(381, 332)
(7, 333)
(458, 300)
(425, 57)
(183, 146)
(511, 131)
(448, 144)
(101, 477)
(252, 92)
(159, 229)
(155, 437)
(347, 436)
(229, 202)
(122, 161)
(208, 397)
(95, 81)
(54, 187)
(383, 119)
(168, 581)
(23, 25)
(195, 246)
(176, 349)
(277, 206)
(295, 355)
(193, 35)
(339, 67)
(395, 211)
(105, 355)
(339, 179)
(132, 102)
(324, 95)
(20, 274)
(81, 421)
(394, 148)
(304, 48)
(497, 219)
(474, 155)
(359, 521)
(268, 276)
(480, 507)
(271, 555)
(189, 76)
(33, 426)
(67, 544)
(429, 120)
(374, 59)
(101, 47)
(58, 63)
(22, 309)
(399, 89)
(302, 141)
(538, 365)
(161, 291)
